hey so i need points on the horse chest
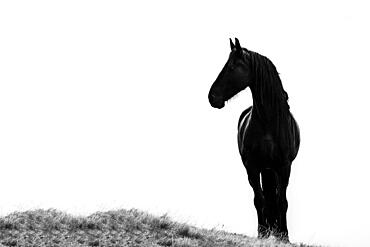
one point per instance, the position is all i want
(262, 147)
(256, 143)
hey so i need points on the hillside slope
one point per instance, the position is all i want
(113, 228)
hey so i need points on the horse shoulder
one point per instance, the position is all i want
(242, 116)
(296, 136)
(242, 127)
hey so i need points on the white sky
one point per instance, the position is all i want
(103, 105)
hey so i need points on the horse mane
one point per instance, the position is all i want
(271, 95)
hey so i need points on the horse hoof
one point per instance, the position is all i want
(284, 239)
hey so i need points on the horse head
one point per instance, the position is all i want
(233, 78)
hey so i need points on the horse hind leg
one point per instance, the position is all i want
(269, 187)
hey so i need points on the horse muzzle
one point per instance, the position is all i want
(216, 101)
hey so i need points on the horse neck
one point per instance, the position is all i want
(270, 109)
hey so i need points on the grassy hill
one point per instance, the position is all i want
(113, 228)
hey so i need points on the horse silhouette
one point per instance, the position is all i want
(268, 135)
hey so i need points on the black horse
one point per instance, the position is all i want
(268, 135)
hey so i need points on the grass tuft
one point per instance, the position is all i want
(114, 228)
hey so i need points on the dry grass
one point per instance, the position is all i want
(113, 228)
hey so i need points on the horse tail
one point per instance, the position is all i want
(271, 191)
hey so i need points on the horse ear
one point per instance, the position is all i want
(237, 44)
(232, 46)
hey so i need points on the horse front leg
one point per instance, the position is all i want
(259, 201)
(284, 175)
